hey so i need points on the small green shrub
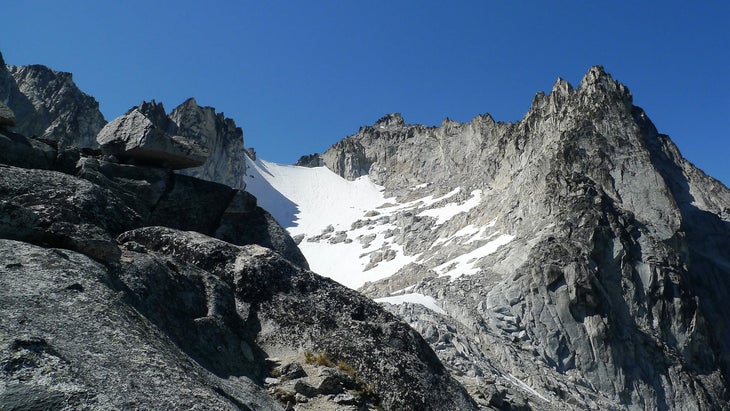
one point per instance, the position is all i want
(346, 368)
(318, 359)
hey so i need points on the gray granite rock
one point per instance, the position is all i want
(76, 335)
(135, 137)
(48, 104)
(226, 162)
(263, 291)
(86, 261)
(310, 160)
(7, 117)
(17, 150)
(610, 296)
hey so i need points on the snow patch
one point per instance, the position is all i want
(448, 211)
(511, 378)
(308, 200)
(465, 264)
(414, 298)
(346, 264)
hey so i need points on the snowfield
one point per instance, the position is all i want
(320, 197)
(347, 226)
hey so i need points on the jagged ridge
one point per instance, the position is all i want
(620, 260)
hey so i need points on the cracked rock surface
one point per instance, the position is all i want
(610, 292)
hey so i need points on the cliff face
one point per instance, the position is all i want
(207, 145)
(49, 105)
(226, 162)
(611, 291)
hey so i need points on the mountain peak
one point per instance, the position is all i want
(561, 87)
(189, 102)
(390, 121)
(151, 109)
(598, 81)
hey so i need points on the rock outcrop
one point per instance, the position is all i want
(309, 160)
(226, 162)
(125, 197)
(195, 140)
(223, 305)
(72, 337)
(144, 139)
(7, 117)
(610, 291)
(49, 105)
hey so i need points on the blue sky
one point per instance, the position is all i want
(299, 76)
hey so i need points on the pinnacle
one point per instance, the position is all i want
(152, 108)
(597, 80)
(596, 74)
(390, 121)
(190, 101)
(562, 87)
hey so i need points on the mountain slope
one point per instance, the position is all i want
(349, 230)
(578, 259)
(125, 285)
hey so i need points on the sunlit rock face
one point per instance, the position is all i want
(195, 140)
(226, 162)
(573, 259)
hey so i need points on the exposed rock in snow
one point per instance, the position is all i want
(413, 298)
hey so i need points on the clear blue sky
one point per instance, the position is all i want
(297, 76)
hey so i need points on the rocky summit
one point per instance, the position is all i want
(195, 140)
(47, 104)
(571, 260)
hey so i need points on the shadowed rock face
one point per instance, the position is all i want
(85, 214)
(612, 293)
(48, 104)
(7, 117)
